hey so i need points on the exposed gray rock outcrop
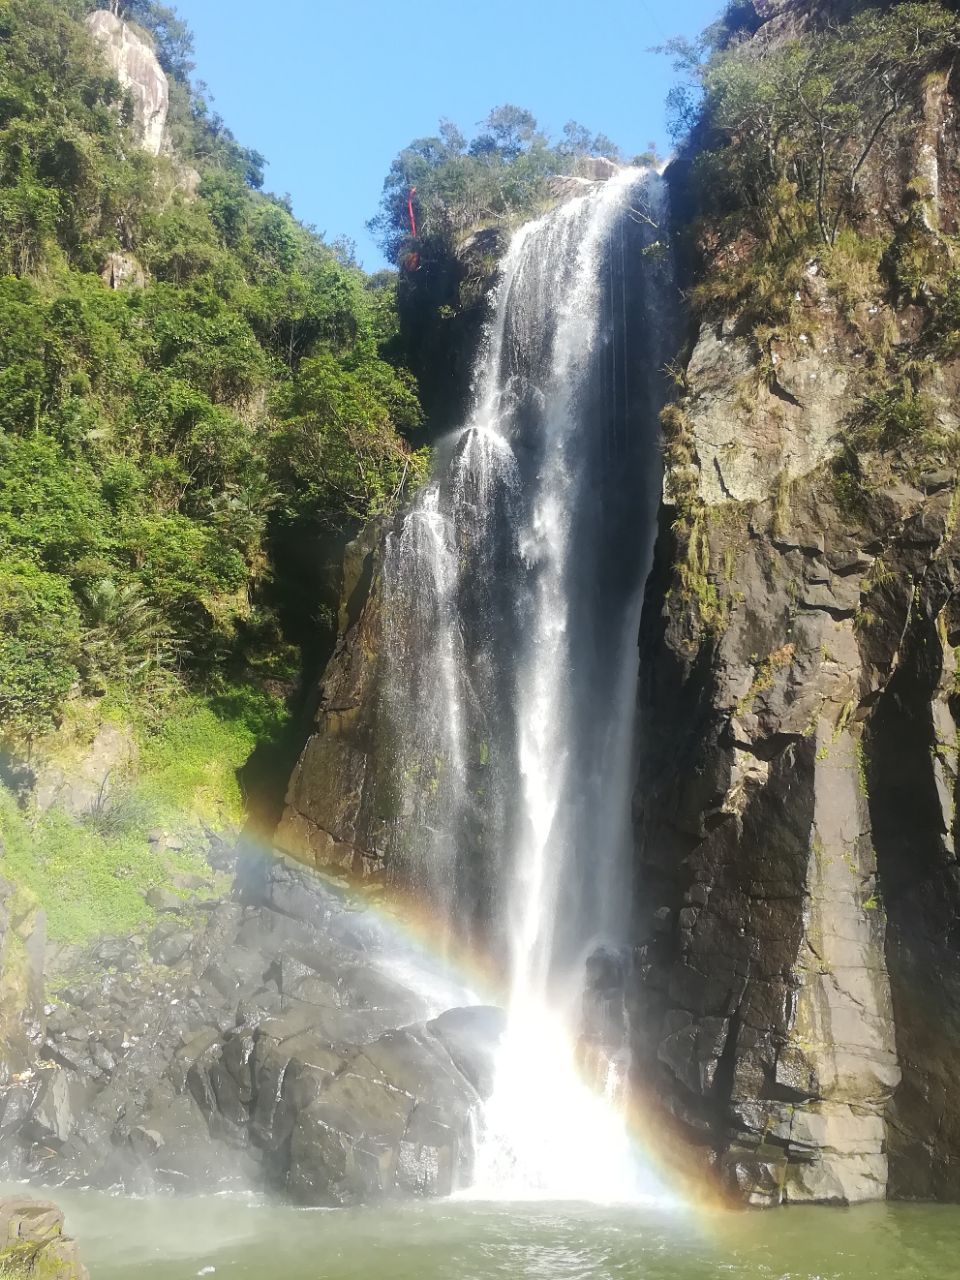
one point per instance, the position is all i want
(80, 767)
(795, 415)
(122, 271)
(136, 67)
(265, 1045)
(81, 774)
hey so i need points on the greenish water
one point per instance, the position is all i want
(175, 1240)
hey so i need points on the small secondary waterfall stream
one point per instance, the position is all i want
(512, 597)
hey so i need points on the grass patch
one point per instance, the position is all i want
(87, 882)
(90, 874)
(189, 765)
(852, 268)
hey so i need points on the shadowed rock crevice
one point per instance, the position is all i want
(912, 768)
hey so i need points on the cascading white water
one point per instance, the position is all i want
(513, 590)
(547, 1132)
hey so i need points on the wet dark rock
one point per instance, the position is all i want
(114, 952)
(312, 989)
(395, 1118)
(366, 988)
(236, 972)
(603, 1022)
(470, 1036)
(16, 1102)
(168, 945)
(145, 1143)
(258, 1049)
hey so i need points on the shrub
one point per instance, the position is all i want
(40, 634)
(890, 417)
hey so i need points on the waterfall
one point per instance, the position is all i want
(512, 596)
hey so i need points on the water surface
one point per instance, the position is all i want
(447, 1240)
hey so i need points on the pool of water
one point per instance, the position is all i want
(238, 1240)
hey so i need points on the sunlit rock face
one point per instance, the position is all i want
(35, 1229)
(797, 983)
(796, 420)
(763, 1018)
(122, 271)
(22, 944)
(136, 67)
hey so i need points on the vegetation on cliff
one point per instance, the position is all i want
(92, 872)
(784, 132)
(162, 444)
(500, 176)
(198, 405)
(801, 170)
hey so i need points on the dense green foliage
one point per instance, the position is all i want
(158, 444)
(498, 176)
(200, 399)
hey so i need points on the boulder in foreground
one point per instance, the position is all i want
(33, 1243)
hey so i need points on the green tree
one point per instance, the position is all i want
(500, 175)
(337, 450)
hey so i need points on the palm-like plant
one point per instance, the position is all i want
(127, 639)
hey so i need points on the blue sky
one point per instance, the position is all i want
(330, 90)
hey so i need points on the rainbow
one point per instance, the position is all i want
(418, 927)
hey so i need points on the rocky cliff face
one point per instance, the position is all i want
(798, 970)
(22, 1017)
(336, 815)
(136, 67)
